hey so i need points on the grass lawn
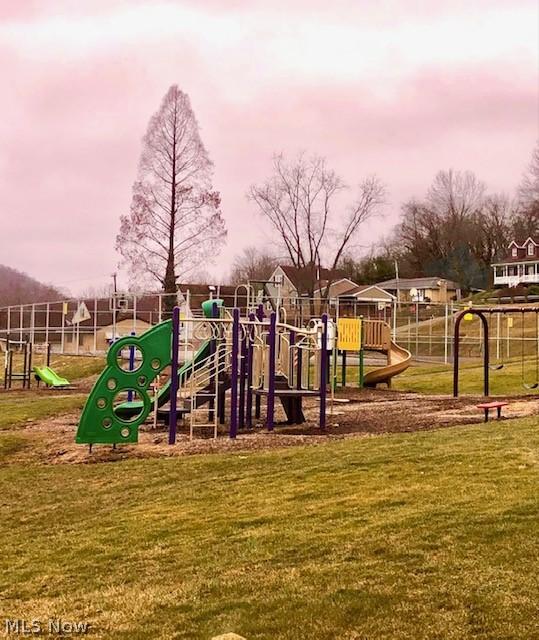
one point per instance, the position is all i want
(438, 379)
(68, 366)
(18, 408)
(416, 536)
(76, 367)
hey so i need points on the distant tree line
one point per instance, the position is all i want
(456, 230)
(18, 288)
(175, 227)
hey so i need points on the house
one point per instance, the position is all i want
(290, 283)
(520, 266)
(367, 300)
(429, 289)
(292, 286)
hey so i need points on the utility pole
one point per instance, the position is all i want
(397, 281)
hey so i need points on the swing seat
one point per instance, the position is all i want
(533, 385)
(496, 367)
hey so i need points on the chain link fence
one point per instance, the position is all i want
(89, 326)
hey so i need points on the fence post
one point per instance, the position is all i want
(62, 343)
(78, 331)
(47, 322)
(95, 326)
(446, 321)
(32, 323)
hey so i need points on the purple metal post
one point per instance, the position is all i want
(243, 373)
(258, 400)
(174, 381)
(323, 371)
(234, 374)
(250, 352)
(272, 342)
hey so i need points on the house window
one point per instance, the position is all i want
(531, 249)
(514, 252)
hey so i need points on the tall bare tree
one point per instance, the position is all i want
(455, 231)
(300, 201)
(175, 223)
(529, 187)
(252, 264)
(526, 219)
(491, 231)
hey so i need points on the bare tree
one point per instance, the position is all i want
(455, 230)
(252, 264)
(175, 223)
(300, 200)
(529, 187)
(526, 218)
(491, 231)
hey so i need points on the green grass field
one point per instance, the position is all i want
(424, 535)
(438, 379)
(17, 407)
(71, 367)
(428, 535)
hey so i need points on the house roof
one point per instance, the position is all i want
(303, 278)
(357, 291)
(429, 282)
(521, 251)
(323, 284)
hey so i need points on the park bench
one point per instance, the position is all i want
(487, 406)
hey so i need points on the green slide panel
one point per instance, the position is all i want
(50, 377)
(127, 409)
(103, 423)
(99, 422)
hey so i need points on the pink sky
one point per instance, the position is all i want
(400, 88)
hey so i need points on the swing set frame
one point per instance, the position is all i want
(481, 313)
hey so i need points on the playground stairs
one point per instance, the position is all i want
(204, 400)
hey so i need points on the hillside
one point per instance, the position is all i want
(18, 288)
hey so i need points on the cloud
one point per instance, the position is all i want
(402, 89)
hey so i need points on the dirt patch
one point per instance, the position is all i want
(354, 414)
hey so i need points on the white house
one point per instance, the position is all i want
(520, 266)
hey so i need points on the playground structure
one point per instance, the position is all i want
(25, 349)
(257, 357)
(424, 329)
(42, 373)
(484, 314)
